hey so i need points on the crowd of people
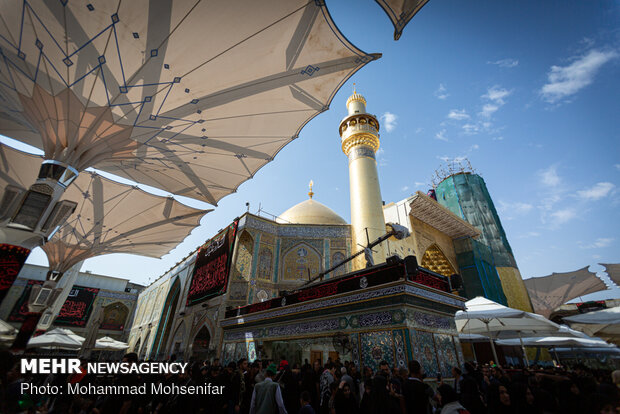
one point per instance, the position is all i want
(266, 387)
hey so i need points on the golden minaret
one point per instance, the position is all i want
(359, 132)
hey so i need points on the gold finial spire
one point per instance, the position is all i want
(356, 97)
(310, 193)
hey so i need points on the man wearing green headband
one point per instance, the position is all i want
(267, 395)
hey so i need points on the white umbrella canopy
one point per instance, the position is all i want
(6, 328)
(109, 344)
(57, 338)
(604, 323)
(485, 317)
(552, 341)
(7, 332)
(463, 337)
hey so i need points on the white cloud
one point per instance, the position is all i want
(564, 81)
(497, 94)
(550, 177)
(597, 192)
(474, 147)
(617, 166)
(498, 138)
(381, 160)
(488, 110)
(513, 209)
(441, 135)
(405, 188)
(458, 115)
(451, 160)
(599, 243)
(470, 129)
(441, 92)
(562, 216)
(389, 121)
(419, 184)
(529, 234)
(504, 63)
(497, 97)
(419, 130)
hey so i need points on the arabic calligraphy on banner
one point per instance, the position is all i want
(20, 310)
(212, 266)
(78, 306)
(12, 259)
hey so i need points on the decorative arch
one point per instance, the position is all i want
(338, 257)
(243, 265)
(434, 260)
(201, 343)
(298, 260)
(115, 316)
(265, 260)
(166, 319)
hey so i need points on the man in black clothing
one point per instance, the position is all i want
(416, 392)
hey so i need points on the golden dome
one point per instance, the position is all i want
(310, 212)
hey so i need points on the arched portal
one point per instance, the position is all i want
(301, 260)
(166, 320)
(115, 316)
(435, 260)
(243, 265)
(200, 348)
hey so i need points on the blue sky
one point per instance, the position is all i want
(527, 91)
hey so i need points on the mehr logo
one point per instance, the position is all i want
(50, 366)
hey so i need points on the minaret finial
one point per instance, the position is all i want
(310, 193)
(354, 90)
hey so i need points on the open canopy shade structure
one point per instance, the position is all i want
(189, 96)
(613, 271)
(549, 292)
(401, 12)
(57, 339)
(604, 323)
(109, 217)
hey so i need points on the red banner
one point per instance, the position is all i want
(212, 266)
(12, 259)
(20, 310)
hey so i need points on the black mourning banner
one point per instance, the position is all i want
(78, 306)
(212, 266)
(12, 260)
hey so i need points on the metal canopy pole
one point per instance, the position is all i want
(527, 362)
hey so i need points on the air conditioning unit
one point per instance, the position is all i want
(61, 212)
(34, 205)
(10, 200)
(42, 297)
